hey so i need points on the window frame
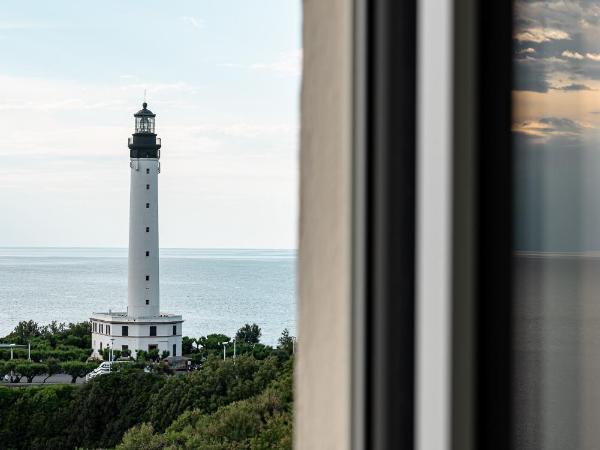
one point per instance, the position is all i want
(386, 201)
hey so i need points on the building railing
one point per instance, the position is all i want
(130, 141)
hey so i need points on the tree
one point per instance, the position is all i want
(52, 368)
(141, 436)
(250, 334)
(286, 342)
(153, 354)
(9, 369)
(76, 369)
(30, 370)
(213, 342)
(24, 332)
(186, 345)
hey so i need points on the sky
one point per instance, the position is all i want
(223, 78)
(556, 113)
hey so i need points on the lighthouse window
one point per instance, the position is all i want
(147, 229)
(147, 277)
(124, 330)
(174, 349)
(147, 187)
(147, 302)
(174, 331)
(147, 253)
(147, 170)
(107, 329)
(147, 205)
(153, 330)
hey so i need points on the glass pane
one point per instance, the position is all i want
(557, 224)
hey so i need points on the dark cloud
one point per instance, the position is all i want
(544, 21)
(530, 75)
(560, 124)
(574, 87)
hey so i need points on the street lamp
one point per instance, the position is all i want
(224, 354)
(112, 353)
(234, 353)
(293, 345)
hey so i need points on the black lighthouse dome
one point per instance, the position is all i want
(144, 143)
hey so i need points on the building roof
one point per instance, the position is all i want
(144, 112)
(122, 317)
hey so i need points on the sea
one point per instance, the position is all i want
(215, 290)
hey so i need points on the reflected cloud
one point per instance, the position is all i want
(539, 35)
(547, 127)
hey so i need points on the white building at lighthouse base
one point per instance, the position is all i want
(119, 331)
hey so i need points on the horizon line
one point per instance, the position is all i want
(166, 248)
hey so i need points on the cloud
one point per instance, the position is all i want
(20, 25)
(539, 35)
(572, 55)
(244, 129)
(527, 50)
(547, 127)
(573, 87)
(288, 63)
(593, 56)
(193, 21)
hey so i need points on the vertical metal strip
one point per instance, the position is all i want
(359, 411)
(434, 223)
(464, 233)
(385, 121)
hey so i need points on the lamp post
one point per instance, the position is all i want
(112, 353)
(234, 352)
(224, 354)
(293, 345)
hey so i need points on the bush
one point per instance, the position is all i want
(259, 423)
(36, 417)
(216, 384)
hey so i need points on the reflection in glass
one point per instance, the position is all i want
(556, 132)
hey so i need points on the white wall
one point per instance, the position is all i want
(139, 337)
(140, 241)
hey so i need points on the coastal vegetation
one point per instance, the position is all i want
(241, 403)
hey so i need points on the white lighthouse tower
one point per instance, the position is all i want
(142, 326)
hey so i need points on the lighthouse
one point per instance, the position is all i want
(142, 326)
(142, 282)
